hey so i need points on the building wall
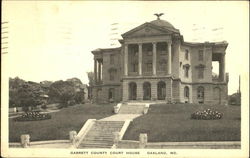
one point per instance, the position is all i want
(103, 95)
(176, 91)
(185, 61)
(207, 62)
(107, 66)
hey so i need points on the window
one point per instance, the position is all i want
(134, 67)
(163, 52)
(149, 53)
(200, 57)
(149, 66)
(163, 65)
(200, 93)
(200, 73)
(186, 92)
(186, 54)
(186, 71)
(111, 93)
(134, 62)
(112, 73)
(112, 57)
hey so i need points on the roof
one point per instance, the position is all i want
(106, 49)
(158, 24)
(222, 43)
(162, 23)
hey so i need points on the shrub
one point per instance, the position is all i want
(33, 116)
(206, 115)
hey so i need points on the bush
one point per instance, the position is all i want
(33, 116)
(206, 115)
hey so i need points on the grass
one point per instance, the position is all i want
(58, 127)
(172, 123)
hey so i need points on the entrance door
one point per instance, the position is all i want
(132, 91)
(146, 91)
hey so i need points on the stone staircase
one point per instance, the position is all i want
(132, 109)
(101, 134)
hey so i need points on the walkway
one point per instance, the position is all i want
(120, 117)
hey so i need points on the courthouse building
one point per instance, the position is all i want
(155, 63)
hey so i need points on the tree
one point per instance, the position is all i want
(28, 95)
(62, 91)
(23, 93)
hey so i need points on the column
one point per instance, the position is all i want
(95, 70)
(140, 59)
(99, 71)
(222, 65)
(169, 58)
(154, 58)
(126, 60)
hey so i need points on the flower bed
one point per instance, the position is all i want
(33, 116)
(206, 115)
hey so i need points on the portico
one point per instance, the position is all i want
(140, 59)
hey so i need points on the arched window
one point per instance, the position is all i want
(186, 92)
(200, 92)
(132, 91)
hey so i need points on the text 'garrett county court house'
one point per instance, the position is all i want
(155, 63)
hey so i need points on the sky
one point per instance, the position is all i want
(53, 40)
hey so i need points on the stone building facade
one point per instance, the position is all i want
(155, 63)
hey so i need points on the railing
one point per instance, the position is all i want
(216, 79)
(133, 73)
(143, 143)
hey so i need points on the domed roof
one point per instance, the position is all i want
(162, 23)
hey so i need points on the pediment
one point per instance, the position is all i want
(146, 29)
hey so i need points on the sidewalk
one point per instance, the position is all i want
(120, 117)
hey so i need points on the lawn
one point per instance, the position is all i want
(58, 127)
(172, 123)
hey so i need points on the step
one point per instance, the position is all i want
(101, 136)
(111, 135)
(107, 125)
(90, 146)
(98, 139)
(109, 121)
(97, 142)
(95, 146)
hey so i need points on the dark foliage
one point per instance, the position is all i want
(33, 116)
(206, 115)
